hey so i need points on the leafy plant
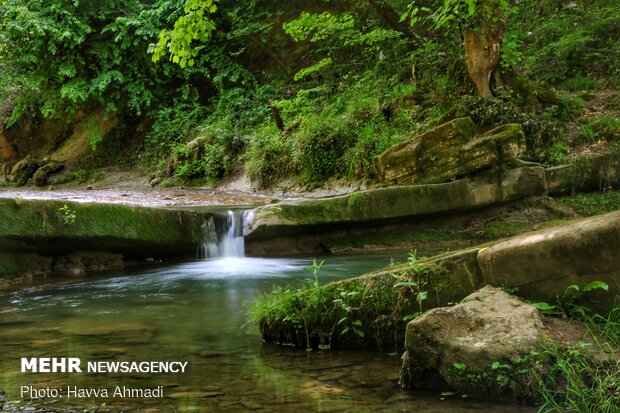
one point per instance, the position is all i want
(68, 215)
(416, 287)
(193, 25)
(315, 268)
(603, 128)
(348, 322)
(578, 380)
(567, 303)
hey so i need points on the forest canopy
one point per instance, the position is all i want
(310, 90)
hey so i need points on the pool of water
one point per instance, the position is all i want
(195, 312)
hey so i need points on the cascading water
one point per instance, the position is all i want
(222, 239)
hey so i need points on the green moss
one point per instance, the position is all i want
(22, 264)
(378, 305)
(376, 204)
(496, 230)
(117, 228)
(594, 203)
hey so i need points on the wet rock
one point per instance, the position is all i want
(543, 263)
(125, 331)
(23, 266)
(448, 152)
(81, 262)
(592, 173)
(210, 354)
(6, 170)
(404, 202)
(109, 353)
(23, 170)
(227, 404)
(41, 175)
(489, 326)
(27, 225)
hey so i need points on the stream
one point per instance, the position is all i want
(195, 312)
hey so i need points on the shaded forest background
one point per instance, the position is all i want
(308, 91)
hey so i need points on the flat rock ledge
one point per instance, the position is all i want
(273, 228)
(39, 238)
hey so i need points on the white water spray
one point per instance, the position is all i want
(223, 243)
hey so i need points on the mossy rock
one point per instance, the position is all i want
(393, 204)
(458, 348)
(49, 228)
(542, 264)
(382, 301)
(23, 265)
(23, 170)
(447, 152)
(592, 173)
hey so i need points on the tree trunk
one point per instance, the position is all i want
(482, 53)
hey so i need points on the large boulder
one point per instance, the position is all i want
(23, 170)
(489, 328)
(543, 263)
(448, 152)
(40, 176)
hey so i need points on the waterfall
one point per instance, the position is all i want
(222, 236)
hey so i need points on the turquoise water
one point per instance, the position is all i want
(195, 312)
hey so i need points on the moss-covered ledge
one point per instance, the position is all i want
(366, 312)
(49, 228)
(394, 203)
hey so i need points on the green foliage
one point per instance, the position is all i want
(338, 36)
(456, 13)
(417, 287)
(556, 154)
(342, 30)
(269, 157)
(193, 25)
(364, 312)
(209, 156)
(312, 70)
(569, 40)
(542, 129)
(330, 133)
(83, 175)
(68, 215)
(65, 55)
(511, 56)
(567, 304)
(314, 269)
(594, 203)
(579, 83)
(601, 128)
(501, 378)
(578, 380)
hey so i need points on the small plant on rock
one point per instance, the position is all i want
(68, 215)
(567, 303)
(348, 322)
(416, 287)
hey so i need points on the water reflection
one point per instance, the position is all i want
(195, 312)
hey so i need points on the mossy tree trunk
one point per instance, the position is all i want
(483, 45)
